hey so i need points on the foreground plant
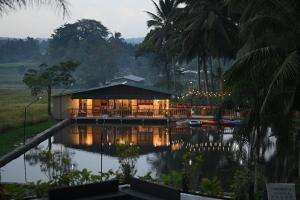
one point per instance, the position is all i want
(211, 186)
(40, 189)
(128, 156)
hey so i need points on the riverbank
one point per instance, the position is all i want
(11, 138)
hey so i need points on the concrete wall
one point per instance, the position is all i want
(184, 196)
(62, 106)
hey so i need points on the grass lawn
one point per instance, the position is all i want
(12, 104)
(12, 137)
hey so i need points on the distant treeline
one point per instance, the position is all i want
(101, 54)
(14, 50)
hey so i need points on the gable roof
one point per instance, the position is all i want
(122, 91)
(130, 77)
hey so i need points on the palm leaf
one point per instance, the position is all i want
(289, 70)
(246, 63)
(6, 5)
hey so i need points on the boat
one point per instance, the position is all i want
(195, 123)
(231, 122)
(183, 123)
(209, 122)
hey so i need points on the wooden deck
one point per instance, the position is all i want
(142, 119)
(145, 115)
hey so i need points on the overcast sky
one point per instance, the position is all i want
(125, 16)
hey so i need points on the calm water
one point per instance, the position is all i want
(161, 150)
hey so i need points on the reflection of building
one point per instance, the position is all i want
(90, 137)
(148, 138)
(117, 100)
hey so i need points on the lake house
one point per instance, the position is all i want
(120, 100)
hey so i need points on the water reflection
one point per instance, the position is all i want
(91, 137)
(93, 147)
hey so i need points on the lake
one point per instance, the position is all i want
(78, 146)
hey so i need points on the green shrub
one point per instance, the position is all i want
(173, 178)
(128, 156)
(211, 186)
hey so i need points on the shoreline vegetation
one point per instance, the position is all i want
(13, 137)
(12, 104)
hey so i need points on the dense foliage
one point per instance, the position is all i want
(101, 54)
(262, 39)
(45, 78)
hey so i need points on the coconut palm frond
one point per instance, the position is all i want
(154, 17)
(262, 24)
(60, 5)
(244, 65)
(289, 70)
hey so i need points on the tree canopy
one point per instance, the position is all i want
(100, 53)
(47, 77)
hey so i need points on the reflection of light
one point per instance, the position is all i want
(89, 139)
(235, 147)
(109, 143)
(190, 162)
(176, 147)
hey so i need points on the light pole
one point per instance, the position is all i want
(25, 116)
(60, 100)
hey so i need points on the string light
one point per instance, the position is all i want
(204, 94)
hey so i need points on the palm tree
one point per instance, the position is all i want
(7, 5)
(209, 31)
(269, 62)
(162, 25)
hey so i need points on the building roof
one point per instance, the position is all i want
(123, 90)
(194, 71)
(130, 78)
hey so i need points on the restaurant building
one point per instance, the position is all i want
(116, 100)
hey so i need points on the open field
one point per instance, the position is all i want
(11, 74)
(12, 104)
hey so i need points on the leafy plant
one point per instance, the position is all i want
(148, 177)
(173, 179)
(14, 191)
(241, 184)
(211, 186)
(82, 177)
(191, 170)
(127, 158)
(39, 189)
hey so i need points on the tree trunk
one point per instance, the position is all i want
(167, 74)
(174, 73)
(49, 101)
(199, 74)
(205, 77)
(220, 75)
(211, 73)
(205, 73)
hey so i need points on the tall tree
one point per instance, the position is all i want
(269, 61)
(162, 26)
(101, 55)
(209, 32)
(47, 77)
